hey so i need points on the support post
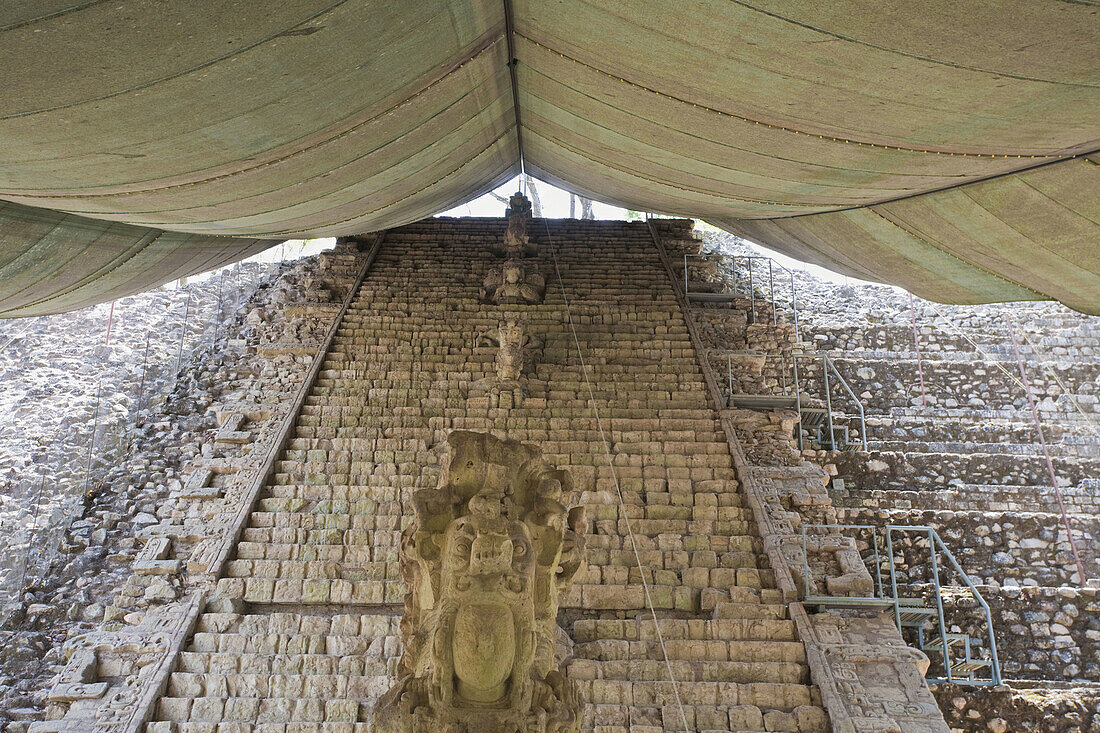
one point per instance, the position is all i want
(771, 293)
(828, 402)
(752, 292)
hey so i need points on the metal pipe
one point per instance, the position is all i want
(828, 403)
(771, 294)
(1081, 578)
(830, 364)
(794, 311)
(996, 668)
(509, 33)
(797, 398)
(939, 601)
(893, 576)
(752, 293)
(878, 562)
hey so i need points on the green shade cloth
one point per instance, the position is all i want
(946, 147)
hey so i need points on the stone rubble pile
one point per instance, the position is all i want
(90, 542)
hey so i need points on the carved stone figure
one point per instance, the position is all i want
(517, 242)
(511, 334)
(510, 354)
(485, 560)
(519, 205)
(511, 283)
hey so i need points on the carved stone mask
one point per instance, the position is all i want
(485, 561)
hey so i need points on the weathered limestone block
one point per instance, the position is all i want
(153, 558)
(872, 681)
(197, 485)
(485, 560)
(230, 430)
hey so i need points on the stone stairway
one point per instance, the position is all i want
(741, 673)
(301, 633)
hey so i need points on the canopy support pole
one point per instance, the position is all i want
(509, 33)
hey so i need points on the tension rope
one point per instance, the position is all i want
(615, 478)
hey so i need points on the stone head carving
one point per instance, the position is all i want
(485, 560)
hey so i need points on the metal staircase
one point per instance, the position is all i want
(821, 423)
(828, 429)
(956, 657)
(698, 291)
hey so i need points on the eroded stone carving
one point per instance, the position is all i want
(510, 351)
(519, 205)
(516, 353)
(512, 283)
(878, 679)
(841, 571)
(517, 243)
(485, 560)
(113, 678)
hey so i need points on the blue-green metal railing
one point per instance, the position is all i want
(830, 367)
(902, 606)
(772, 265)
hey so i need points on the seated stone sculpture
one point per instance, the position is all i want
(485, 560)
(511, 283)
(516, 353)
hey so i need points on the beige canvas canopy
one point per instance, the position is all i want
(950, 148)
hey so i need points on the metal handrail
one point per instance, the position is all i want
(772, 264)
(936, 546)
(730, 353)
(934, 541)
(831, 366)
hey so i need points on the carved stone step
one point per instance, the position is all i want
(659, 693)
(707, 650)
(739, 629)
(656, 670)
